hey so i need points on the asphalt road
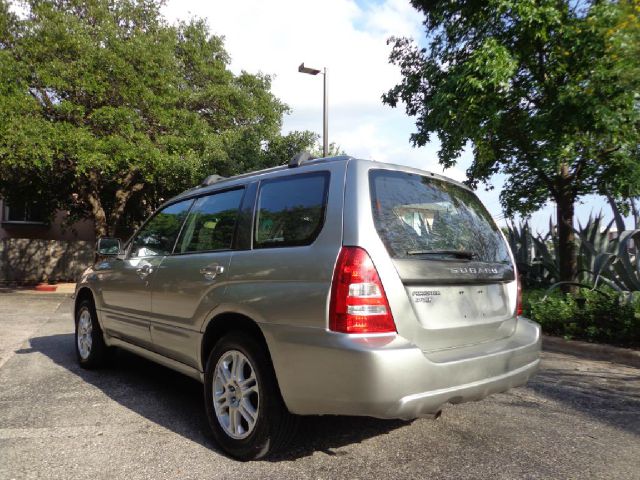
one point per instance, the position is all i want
(134, 420)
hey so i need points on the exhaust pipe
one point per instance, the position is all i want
(433, 415)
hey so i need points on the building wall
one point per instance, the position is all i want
(56, 230)
(30, 261)
(32, 253)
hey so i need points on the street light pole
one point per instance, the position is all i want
(325, 116)
(325, 106)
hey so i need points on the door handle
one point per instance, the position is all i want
(144, 271)
(211, 271)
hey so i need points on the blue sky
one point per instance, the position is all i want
(348, 37)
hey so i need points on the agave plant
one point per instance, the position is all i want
(622, 271)
(546, 257)
(602, 258)
(534, 255)
(596, 250)
(626, 271)
(519, 238)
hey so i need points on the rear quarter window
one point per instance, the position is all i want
(291, 210)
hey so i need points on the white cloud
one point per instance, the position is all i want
(275, 37)
(350, 40)
(394, 18)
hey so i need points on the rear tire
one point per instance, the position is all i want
(244, 407)
(91, 350)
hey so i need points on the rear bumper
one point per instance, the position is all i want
(419, 404)
(322, 372)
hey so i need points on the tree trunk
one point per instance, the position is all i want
(122, 197)
(106, 224)
(99, 216)
(567, 255)
(91, 193)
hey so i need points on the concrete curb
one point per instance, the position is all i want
(64, 290)
(594, 351)
(33, 293)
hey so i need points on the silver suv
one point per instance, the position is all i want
(333, 286)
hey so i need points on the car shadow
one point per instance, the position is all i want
(175, 401)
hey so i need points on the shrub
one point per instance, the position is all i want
(591, 315)
(555, 313)
(530, 296)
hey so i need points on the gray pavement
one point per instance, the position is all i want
(577, 419)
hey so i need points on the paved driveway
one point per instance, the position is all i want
(576, 419)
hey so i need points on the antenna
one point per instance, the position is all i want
(211, 179)
(299, 159)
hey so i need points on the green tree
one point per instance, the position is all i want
(546, 91)
(105, 107)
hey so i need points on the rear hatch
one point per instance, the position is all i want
(451, 257)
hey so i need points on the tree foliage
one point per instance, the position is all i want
(547, 93)
(105, 107)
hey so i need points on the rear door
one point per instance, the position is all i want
(452, 280)
(286, 276)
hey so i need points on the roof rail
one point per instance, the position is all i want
(300, 158)
(211, 179)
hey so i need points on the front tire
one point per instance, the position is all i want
(91, 350)
(243, 403)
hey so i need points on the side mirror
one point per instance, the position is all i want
(108, 247)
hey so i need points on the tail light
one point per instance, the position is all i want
(519, 301)
(358, 302)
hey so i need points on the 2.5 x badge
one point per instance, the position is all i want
(425, 296)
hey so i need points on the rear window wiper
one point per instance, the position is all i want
(456, 253)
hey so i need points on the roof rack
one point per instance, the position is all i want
(211, 179)
(300, 158)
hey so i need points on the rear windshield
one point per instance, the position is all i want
(422, 217)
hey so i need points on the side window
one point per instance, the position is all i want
(291, 210)
(159, 234)
(211, 223)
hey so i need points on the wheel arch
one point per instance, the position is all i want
(227, 322)
(84, 293)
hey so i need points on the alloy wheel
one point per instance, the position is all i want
(236, 395)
